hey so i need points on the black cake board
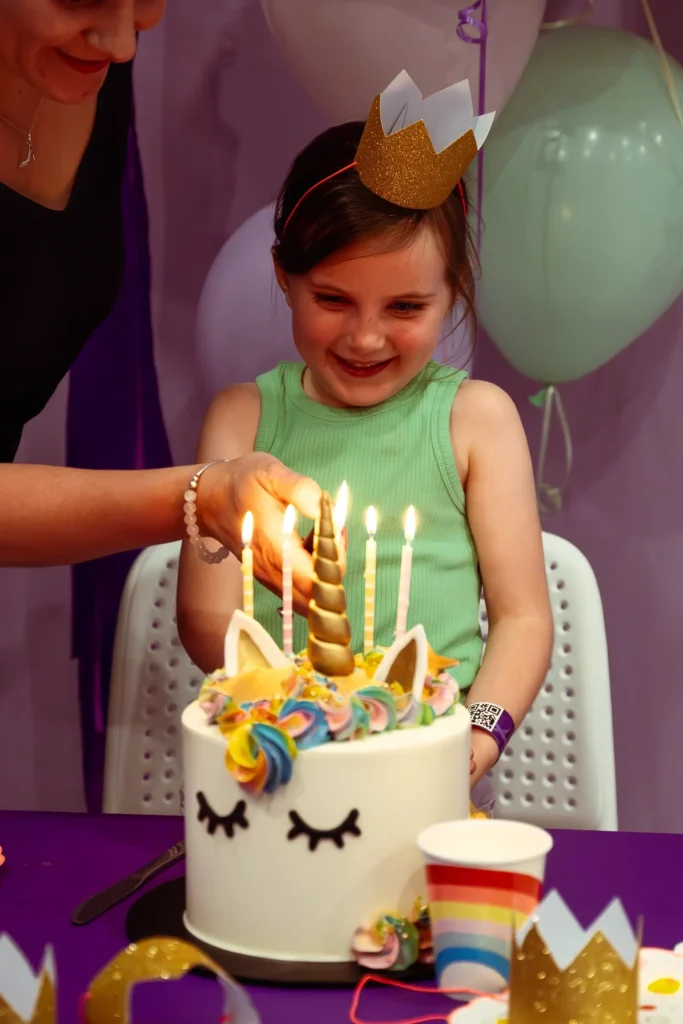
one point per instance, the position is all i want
(159, 911)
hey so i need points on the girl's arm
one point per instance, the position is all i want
(494, 463)
(209, 594)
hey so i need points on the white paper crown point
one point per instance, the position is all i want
(19, 984)
(565, 938)
(447, 114)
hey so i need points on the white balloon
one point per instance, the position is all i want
(243, 322)
(346, 51)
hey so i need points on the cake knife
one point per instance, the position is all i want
(103, 901)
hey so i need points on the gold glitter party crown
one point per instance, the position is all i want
(414, 151)
(560, 973)
(29, 998)
(26, 997)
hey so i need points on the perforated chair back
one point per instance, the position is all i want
(152, 681)
(558, 771)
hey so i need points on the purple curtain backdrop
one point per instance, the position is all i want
(114, 422)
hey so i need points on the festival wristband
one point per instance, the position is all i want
(494, 720)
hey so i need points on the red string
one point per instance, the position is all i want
(82, 1015)
(353, 1012)
(341, 171)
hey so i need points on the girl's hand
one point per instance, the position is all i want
(260, 484)
(484, 755)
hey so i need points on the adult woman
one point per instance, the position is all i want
(65, 108)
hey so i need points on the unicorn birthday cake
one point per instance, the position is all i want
(307, 780)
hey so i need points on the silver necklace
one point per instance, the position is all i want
(28, 135)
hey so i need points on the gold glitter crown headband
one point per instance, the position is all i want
(27, 997)
(561, 973)
(413, 152)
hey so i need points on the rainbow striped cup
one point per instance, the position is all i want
(484, 878)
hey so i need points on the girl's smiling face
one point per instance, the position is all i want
(63, 48)
(366, 322)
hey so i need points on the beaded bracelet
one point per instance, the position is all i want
(190, 509)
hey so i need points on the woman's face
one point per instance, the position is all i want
(63, 48)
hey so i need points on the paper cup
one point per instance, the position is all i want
(484, 878)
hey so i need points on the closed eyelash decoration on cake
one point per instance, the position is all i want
(349, 827)
(228, 822)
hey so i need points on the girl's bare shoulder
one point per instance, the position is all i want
(482, 409)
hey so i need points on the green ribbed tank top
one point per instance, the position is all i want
(392, 455)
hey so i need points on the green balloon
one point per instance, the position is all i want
(583, 204)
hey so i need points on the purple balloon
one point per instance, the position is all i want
(243, 322)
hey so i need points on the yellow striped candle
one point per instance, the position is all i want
(287, 600)
(248, 565)
(370, 580)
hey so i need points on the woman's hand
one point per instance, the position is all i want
(260, 484)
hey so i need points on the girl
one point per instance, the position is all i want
(370, 285)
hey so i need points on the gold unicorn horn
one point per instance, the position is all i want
(329, 632)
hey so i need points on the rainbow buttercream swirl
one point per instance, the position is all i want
(394, 943)
(264, 736)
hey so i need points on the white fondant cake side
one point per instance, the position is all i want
(262, 894)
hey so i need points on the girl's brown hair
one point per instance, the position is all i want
(342, 211)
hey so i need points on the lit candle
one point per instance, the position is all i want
(341, 507)
(287, 606)
(370, 578)
(406, 567)
(248, 565)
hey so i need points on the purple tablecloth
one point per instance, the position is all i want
(56, 861)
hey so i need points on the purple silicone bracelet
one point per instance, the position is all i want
(494, 720)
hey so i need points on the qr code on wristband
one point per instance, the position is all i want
(485, 716)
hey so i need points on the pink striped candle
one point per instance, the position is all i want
(480, 889)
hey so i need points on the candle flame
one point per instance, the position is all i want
(248, 529)
(410, 525)
(341, 506)
(371, 520)
(290, 519)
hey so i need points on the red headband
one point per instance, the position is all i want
(341, 171)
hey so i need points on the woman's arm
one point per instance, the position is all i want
(209, 594)
(503, 518)
(55, 516)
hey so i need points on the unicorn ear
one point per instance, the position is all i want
(249, 646)
(406, 662)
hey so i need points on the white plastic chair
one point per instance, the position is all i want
(152, 681)
(558, 771)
